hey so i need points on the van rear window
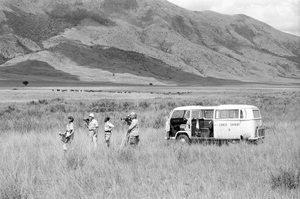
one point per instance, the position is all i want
(227, 114)
(256, 113)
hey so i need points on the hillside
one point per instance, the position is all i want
(138, 42)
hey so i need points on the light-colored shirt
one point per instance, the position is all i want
(93, 125)
(70, 129)
(108, 126)
(134, 128)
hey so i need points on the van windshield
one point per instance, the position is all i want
(179, 114)
(256, 113)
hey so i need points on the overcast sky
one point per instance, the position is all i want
(280, 14)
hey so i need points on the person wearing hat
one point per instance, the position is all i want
(93, 129)
(69, 134)
(108, 126)
(133, 130)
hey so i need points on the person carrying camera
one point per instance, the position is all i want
(133, 130)
(93, 129)
(68, 136)
(107, 128)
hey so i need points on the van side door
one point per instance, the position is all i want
(227, 124)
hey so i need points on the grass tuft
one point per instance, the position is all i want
(126, 155)
(76, 160)
(286, 179)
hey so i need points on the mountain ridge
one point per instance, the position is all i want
(202, 44)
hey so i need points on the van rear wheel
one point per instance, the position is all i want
(183, 139)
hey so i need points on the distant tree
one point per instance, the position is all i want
(150, 84)
(25, 83)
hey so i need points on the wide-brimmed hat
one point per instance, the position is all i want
(133, 114)
(91, 115)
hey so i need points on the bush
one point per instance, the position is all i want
(286, 179)
(127, 106)
(144, 105)
(25, 83)
(57, 108)
(43, 101)
(9, 110)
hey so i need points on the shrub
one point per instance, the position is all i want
(31, 102)
(144, 105)
(286, 179)
(127, 105)
(9, 110)
(43, 101)
(57, 108)
(57, 99)
(104, 106)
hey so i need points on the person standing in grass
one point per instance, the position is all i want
(93, 129)
(133, 130)
(68, 136)
(107, 129)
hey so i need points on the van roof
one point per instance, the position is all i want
(194, 107)
(226, 106)
(232, 106)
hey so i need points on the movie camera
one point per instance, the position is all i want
(127, 119)
(86, 120)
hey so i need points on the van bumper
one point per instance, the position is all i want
(170, 138)
(256, 138)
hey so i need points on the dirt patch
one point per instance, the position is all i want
(33, 69)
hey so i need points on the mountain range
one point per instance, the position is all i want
(140, 42)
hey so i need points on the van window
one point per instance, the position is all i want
(178, 114)
(241, 114)
(195, 113)
(208, 114)
(226, 114)
(256, 114)
(187, 114)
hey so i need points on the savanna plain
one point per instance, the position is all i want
(33, 163)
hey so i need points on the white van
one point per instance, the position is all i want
(215, 123)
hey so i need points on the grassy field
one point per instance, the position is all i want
(33, 164)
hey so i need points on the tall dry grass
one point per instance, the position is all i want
(33, 164)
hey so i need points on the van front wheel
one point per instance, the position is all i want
(183, 139)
